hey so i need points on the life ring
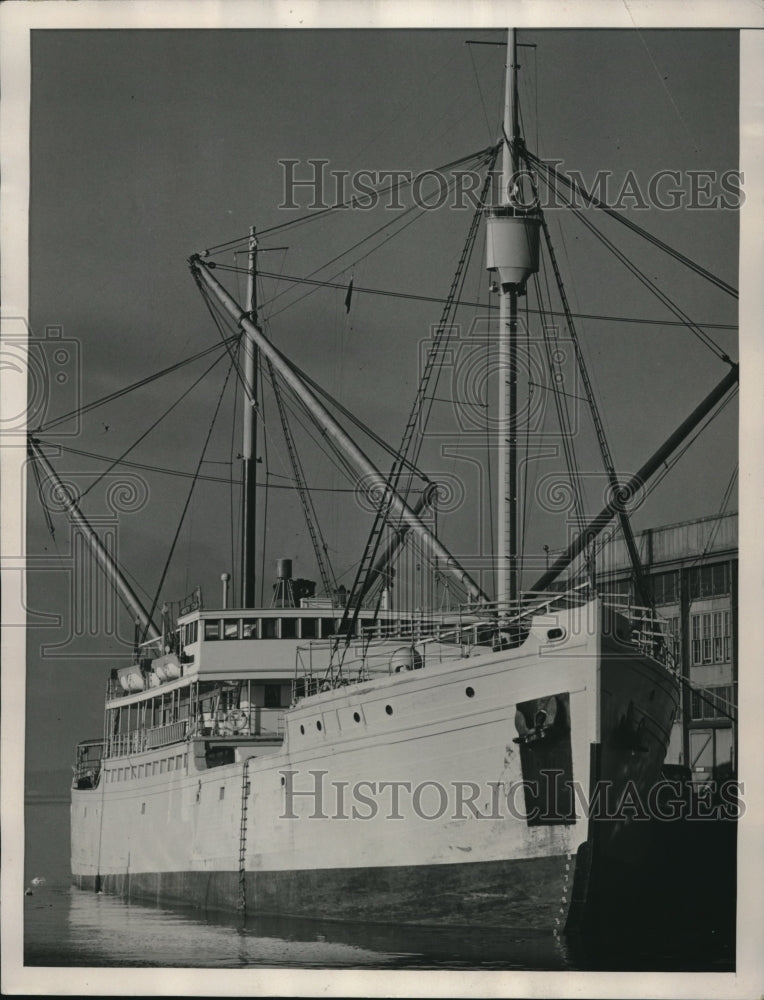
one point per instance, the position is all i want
(236, 720)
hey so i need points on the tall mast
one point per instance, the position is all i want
(249, 439)
(508, 541)
(512, 256)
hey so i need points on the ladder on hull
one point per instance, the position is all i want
(241, 904)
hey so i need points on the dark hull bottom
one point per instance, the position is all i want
(519, 894)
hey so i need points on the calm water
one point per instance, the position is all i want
(64, 926)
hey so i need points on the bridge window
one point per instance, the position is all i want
(231, 628)
(249, 628)
(309, 628)
(190, 633)
(270, 628)
(289, 628)
(328, 627)
(211, 630)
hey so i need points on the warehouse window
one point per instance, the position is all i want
(674, 636)
(718, 644)
(711, 637)
(710, 581)
(696, 648)
(712, 703)
(727, 636)
(665, 589)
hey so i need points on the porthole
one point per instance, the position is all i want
(283, 780)
(470, 692)
(319, 727)
(389, 709)
(555, 634)
(356, 717)
(302, 730)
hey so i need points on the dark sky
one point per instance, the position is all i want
(150, 145)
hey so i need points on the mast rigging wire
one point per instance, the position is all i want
(671, 462)
(163, 470)
(349, 203)
(411, 296)
(413, 434)
(693, 327)
(355, 246)
(625, 221)
(320, 547)
(152, 427)
(591, 399)
(188, 498)
(85, 408)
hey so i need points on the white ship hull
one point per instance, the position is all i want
(310, 826)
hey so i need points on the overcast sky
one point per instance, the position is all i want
(150, 145)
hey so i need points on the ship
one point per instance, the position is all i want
(344, 755)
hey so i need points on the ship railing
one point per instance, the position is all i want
(160, 736)
(647, 630)
(498, 624)
(530, 604)
(138, 740)
(416, 630)
(256, 720)
(384, 652)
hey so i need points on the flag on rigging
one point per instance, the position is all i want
(349, 296)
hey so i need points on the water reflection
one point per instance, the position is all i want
(73, 927)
